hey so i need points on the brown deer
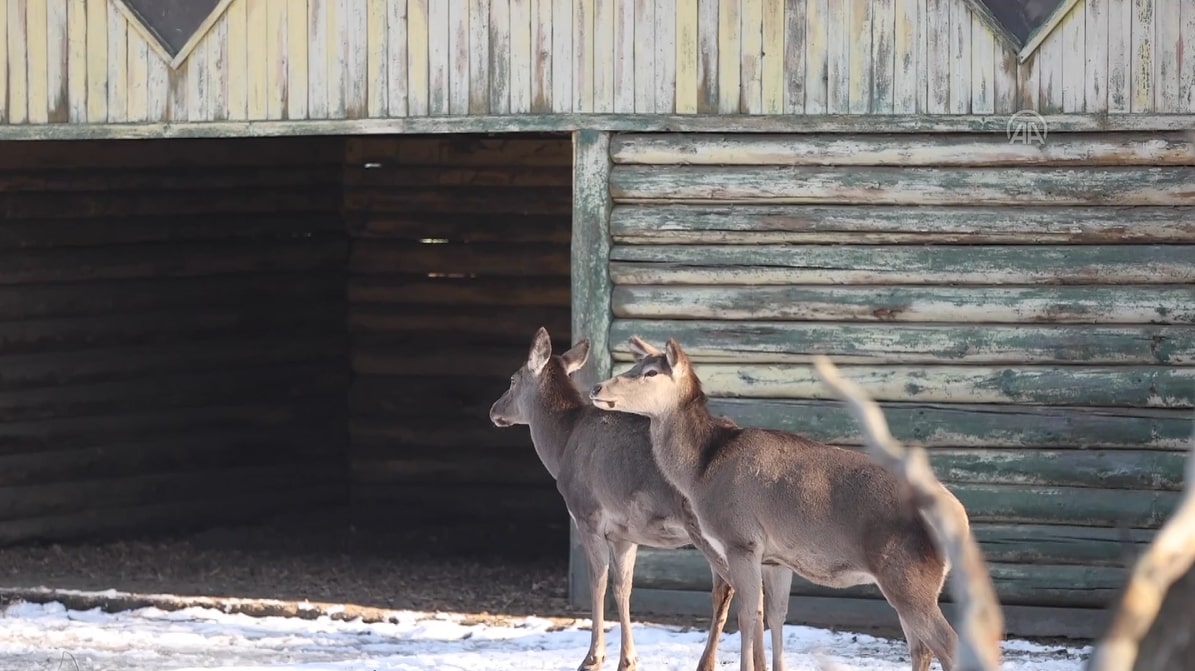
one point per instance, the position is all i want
(615, 494)
(830, 514)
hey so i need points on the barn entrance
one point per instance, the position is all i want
(262, 367)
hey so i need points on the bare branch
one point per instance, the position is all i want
(1168, 557)
(982, 626)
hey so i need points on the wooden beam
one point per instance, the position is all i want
(562, 123)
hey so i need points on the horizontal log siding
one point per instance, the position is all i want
(460, 250)
(85, 61)
(172, 334)
(1027, 313)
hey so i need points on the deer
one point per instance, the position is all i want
(616, 496)
(831, 514)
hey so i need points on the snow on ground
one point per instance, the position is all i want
(48, 637)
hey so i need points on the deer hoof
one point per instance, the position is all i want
(591, 663)
(628, 664)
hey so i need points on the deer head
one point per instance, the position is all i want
(652, 387)
(534, 380)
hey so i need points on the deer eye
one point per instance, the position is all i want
(650, 373)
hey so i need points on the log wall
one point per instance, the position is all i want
(460, 250)
(1026, 312)
(172, 340)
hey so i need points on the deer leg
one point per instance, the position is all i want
(721, 596)
(919, 652)
(777, 582)
(916, 602)
(624, 570)
(746, 577)
(597, 554)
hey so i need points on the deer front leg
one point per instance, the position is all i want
(746, 577)
(597, 555)
(777, 583)
(720, 595)
(624, 571)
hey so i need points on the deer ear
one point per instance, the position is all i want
(678, 361)
(541, 351)
(576, 357)
(641, 348)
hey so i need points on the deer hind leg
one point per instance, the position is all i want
(597, 555)
(777, 583)
(624, 570)
(721, 595)
(914, 595)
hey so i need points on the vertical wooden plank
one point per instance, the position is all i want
(417, 58)
(708, 58)
(317, 58)
(937, 58)
(1074, 59)
(960, 58)
(983, 67)
(1050, 65)
(139, 54)
(771, 73)
(334, 60)
(859, 47)
(1186, 86)
(624, 63)
(356, 66)
(118, 66)
(686, 57)
(1142, 71)
(237, 64)
(645, 56)
(923, 55)
(296, 59)
(906, 77)
(665, 56)
(838, 57)
(603, 56)
(583, 56)
(817, 62)
(1005, 84)
(1029, 84)
(499, 56)
(158, 99)
(729, 55)
(1120, 54)
(1095, 56)
(438, 48)
(18, 70)
(4, 68)
(479, 57)
(793, 67)
(37, 68)
(277, 75)
(397, 68)
(563, 62)
(76, 77)
(540, 48)
(520, 56)
(216, 49)
(258, 55)
(97, 61)
(377, 77)
(883, 56)
(751, 60)
(198, 96)
(591, 250)
(1168, 57)
(458, 57)
(57, 58)
(178, 98)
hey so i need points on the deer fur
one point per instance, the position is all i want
(830, 514)
(614, 492)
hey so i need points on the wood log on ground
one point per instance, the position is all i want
(982, 625)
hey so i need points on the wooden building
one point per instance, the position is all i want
(277, 254)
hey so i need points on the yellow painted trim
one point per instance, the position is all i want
(159, 48)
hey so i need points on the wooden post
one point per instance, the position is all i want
(590, 291)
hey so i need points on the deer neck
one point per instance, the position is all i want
(555, 416)
(679, 437)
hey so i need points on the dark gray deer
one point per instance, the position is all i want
(603, 467)
(830, 514)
